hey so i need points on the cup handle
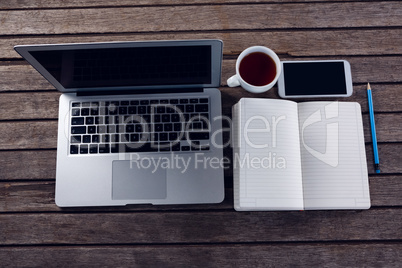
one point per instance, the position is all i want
(233, 81)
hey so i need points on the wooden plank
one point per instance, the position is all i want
(38, 4)
(39, 197)
(28, 135)
(343, 254)
(216, 17)
(364, 69)
(43, 134)
(42, 163)
(293, 43)
(40, 105)
(44, 105)
(199, 227)
(22, 77)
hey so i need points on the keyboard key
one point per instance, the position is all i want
(101, 129)
(93, 149)
(77, 121)
(73, 149)
(95, 139)
(83, 149)
(122, 110)
(94, 111)
(132, 110)
(75, 139)
(160, 109)
(144, 102)
(204, 100)
(204, 116)
(158, 127)
(135, 137)
(103, 111)
(177, 127)
(91, 129)
(105, 138)
(185, 148)
(104, 148)
(114, 138)
(176, 147)
(204, 147)
(85, 111)
(189, 108)
(164, 147)
(114, 148)
(156, 118)
(76, 104)
(89, 120)
(113, 110)
(140, 147)
(86, 139)
(129, 128)
(201, 108)
(124, 103)
(193, 100)
(175, 118)
(180, 108)
(142, 109)
(75, 112)
(173, 136)
(165, 118)
(199, 135)
(78, 130)
(111, 129)
(184, 101)
(168, 127)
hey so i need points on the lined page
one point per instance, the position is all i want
(333, 156)
(268, 158)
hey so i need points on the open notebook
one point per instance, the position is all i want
(299, 156)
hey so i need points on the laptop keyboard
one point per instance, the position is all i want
(140, 125)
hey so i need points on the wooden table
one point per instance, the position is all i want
(35, 232)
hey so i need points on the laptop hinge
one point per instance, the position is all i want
(137, 91)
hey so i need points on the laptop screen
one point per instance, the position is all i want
(128, 65)
(133, 66)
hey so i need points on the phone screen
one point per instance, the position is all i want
(314, 78)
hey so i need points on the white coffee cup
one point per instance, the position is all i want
(257, 83)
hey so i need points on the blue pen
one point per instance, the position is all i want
(373, 135)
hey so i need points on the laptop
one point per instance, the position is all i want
(139, 122)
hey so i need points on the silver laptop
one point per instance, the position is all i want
(139, 122)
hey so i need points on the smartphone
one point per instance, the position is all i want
(307, 79)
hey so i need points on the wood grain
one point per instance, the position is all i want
(38, 196)
(25, 135)
(38, 4)
(22, 77)
(341, 254)
(41, 164)
(293, 43)
(36, 164)
(36, 233)
(44, 105)
(199, 227)
(203, 18)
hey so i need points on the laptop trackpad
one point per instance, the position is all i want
(135, 180)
